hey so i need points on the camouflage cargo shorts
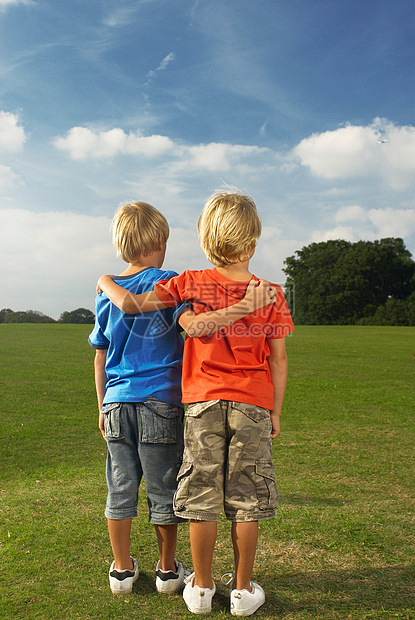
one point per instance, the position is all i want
(227, 462)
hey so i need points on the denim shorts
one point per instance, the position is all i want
(227, 463)
(144, 440)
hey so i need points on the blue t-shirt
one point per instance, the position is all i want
(144, 351)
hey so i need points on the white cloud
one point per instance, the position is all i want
(150, 146)
(381, 149)
(347, 151)
(369, 224)
(350, 213)
(162, 67)
(12, 135)
(8, 178)
(271, 251)
(119, 17)
(347, 233)
(220, 156)
(393, 222)
(164, 63)
(386, 222)
(81, 142)
(6, 3)
(210, 157)
(178, 260)
(51, 261)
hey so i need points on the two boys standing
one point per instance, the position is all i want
(233, 379)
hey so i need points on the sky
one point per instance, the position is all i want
(307, 107)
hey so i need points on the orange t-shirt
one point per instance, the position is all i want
(231, 364)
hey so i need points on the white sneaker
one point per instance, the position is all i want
(121, 581)
(243, 602)
(169, 582)
(198, 600)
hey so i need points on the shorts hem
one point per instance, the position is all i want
(198, 516)
(252, 516)
(169, 519)
(118, 515)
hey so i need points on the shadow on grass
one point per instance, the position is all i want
(333, 593)
(328, 594)
(145, 584)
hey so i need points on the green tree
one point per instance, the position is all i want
(80, 315)
(338, 282)
(4, 313)
(394, 312)
(28, 316)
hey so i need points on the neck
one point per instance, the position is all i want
(134, 268)
(143, 262)
(236, 271)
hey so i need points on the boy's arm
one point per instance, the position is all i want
(278, 365)
(205, 324)
(129, 303)
(257, 296)
(100, 383)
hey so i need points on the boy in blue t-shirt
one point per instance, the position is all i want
(137, 376)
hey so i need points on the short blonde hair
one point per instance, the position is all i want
(229, 227)
(138, 229)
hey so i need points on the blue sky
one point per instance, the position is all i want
(306, 106)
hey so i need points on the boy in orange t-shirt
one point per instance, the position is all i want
(234, 382)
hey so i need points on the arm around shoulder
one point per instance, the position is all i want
(128, 302)
(257, 296)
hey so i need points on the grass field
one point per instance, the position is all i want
(341, 547)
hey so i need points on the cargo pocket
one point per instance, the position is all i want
(254, 413)
(160, 422)
(195, 410)
(113, 421)
(267, 493)
(182, 493)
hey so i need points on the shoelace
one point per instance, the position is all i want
(227, 578)
(187, 571)
(189, 578)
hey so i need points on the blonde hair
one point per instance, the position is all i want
(138, 229)
(229, 227)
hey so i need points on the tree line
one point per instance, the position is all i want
(344, 283)
(80, 315)
(328, 283)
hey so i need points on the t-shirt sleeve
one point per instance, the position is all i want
(280, 323)
(97, 339)
(171, 291)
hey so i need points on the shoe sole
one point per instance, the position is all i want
(128, 591)
(176, 591)
(247, 612)
(198, 610)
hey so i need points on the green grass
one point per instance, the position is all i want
(342, 545)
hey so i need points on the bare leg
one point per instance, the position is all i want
(244, 541)
(202, 540)
(167, 539)
(120, 531)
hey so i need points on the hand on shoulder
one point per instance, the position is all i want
(260, 294)
(101, 283)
